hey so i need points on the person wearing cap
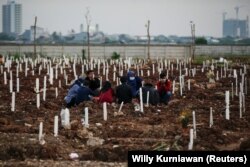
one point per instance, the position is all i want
(134, 82)
(164, 89)
(94, 83)
(124, 91)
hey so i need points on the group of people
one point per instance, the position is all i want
(87, 88)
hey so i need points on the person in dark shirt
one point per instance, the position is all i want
(94, 83)
(153, 94)
(124, 91)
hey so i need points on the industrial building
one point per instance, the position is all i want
(236, 28)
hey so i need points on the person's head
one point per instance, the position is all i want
(123, 79)
(163, 77)
(131, 75)
(148, 85)
(106, 86)
(81, 79)
(90, 74)
(82, 76)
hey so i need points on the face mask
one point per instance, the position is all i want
(131, 78)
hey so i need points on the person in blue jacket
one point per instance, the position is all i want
(70, 98)
(78, 93)
(79, 81)
(84, 93)
(134, 82)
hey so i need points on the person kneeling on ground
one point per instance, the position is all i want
(84, 93)
(124, 91)
(106, 93)
(70, 98)
(94, 82)
(134, 82)
(164, 89)
(77, 94)
(153, 94)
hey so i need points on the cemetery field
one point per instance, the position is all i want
(218, 122)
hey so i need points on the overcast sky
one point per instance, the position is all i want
(168, 17)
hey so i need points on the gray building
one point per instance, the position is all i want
(12, 18)
(236, 28)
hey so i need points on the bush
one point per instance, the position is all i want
(16, 56)
(83, 54)
(201, 41)
(115, 56)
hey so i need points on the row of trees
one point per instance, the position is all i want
(57, 38)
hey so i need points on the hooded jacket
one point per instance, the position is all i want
(134, 82)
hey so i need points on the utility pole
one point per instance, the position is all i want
(193, 39)
(148, 26)
(88, 21)
(35, 37)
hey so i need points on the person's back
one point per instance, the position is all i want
(124, 91)
(106, 94)
(70, 98)
(83, 94)
(153, 94)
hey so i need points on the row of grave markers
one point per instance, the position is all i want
(50, 72)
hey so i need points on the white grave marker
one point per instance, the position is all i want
(56, 126)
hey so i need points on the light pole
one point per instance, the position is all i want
(35, 37)
(88, 21)
(193, 38)
(147, 26)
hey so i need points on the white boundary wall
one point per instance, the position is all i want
(137, 51)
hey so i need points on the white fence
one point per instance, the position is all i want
(140, 51)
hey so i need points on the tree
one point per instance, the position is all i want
(244, 41)
(6, 37)
(115, 56)
(227, 41)
(200, 41)
(56, 37)
(35, 36)
(88, 21)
